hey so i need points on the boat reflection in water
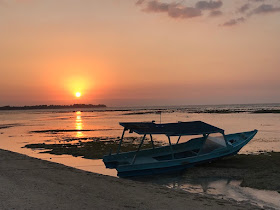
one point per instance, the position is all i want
(222, 188)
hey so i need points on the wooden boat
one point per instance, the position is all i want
(176, 156)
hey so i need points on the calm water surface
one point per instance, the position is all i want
(105, 123)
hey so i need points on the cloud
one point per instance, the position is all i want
(208, 5)
(174, 10)
(155, 6)
(178, 10)
(181, 9)
(265, 9)
(244, 8)
(139, 2)
(233, 22)
(215, 13)
(257, 9)
(185, 12)
(257, 0)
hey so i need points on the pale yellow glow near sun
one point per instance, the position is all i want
(78, 94)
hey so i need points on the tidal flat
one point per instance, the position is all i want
(64, 128)
(55, 131)
(91, 148)
(259, 171)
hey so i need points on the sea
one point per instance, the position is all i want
(54, 126)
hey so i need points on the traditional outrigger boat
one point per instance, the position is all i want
(176, 156)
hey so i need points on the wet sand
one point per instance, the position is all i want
(30, 183)
(260, 171)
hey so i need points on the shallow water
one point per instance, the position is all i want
(222, 188)
(16, 127)
(219, 188)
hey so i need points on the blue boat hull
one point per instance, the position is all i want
(166, 170)
(158, 164)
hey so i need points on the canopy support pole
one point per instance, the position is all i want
(134, 158)
(178, 140)
(226, 140)
(171, 149)
(152, 141)
(205, 138)
(119, 148)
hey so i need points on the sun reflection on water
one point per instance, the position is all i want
(79, 124)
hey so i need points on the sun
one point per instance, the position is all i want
(78, 94)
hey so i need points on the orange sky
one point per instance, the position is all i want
(139, 52)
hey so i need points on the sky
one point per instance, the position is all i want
(139, 52)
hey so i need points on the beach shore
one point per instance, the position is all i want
(30, 183)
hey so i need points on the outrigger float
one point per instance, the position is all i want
(176, 156)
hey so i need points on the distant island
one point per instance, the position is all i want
(73, 106)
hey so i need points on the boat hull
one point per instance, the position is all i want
(168, 169)
(179, 164)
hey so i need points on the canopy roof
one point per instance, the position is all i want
(172, 129)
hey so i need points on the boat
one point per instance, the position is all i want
(175, 156)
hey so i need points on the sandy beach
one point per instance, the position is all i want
(30, 183)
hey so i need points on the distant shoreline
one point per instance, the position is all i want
(75, 106)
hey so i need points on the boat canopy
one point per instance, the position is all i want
(171, 129)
